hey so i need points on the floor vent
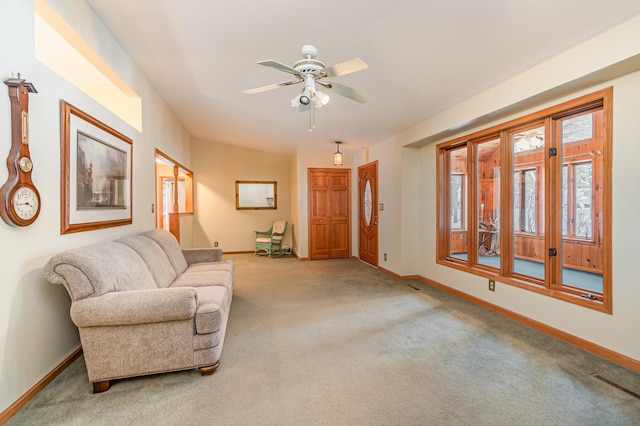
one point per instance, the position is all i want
(615, 385)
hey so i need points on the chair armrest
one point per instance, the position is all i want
(199, 255)
(265, 234)
(135, 307)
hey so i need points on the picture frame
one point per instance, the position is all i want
(95, 179)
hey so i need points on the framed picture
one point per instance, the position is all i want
(95, 175)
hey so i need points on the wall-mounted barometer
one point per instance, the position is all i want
(20, 198)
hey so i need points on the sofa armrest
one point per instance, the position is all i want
(199, 255)
(135, 307)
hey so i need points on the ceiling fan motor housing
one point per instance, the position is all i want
(309, 51)
(308, 66)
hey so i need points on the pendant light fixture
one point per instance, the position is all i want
(337, 156)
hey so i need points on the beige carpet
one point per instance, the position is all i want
(337, 342)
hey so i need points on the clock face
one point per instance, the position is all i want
(25, 203)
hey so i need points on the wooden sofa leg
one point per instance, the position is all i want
(101, 386)
(208, 370)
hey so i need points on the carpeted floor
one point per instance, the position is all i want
(337, 342)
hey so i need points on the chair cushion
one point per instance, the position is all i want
(279, 226)
(263, 240)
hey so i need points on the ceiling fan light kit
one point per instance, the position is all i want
(310, 71)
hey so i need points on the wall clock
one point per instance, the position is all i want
(20, 198)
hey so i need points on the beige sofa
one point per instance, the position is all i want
(143, 305)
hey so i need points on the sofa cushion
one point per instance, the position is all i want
(225, 265)
(213, 303)
(171, 247)
(204, 279)
(155, 258)
(99, 269)
(200, 255)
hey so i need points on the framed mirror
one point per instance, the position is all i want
(256, 195)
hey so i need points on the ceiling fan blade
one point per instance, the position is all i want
(271, 87)
(281, 67)
(345, 91)
(343, 68)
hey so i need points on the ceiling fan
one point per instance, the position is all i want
(311, 71)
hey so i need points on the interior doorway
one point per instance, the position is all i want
(174, 193)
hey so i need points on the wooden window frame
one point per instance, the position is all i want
(549, 226)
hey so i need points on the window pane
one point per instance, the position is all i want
(565, 200)
(529, 140)
(577, 128)
(528, 202)
(458, 203)
(488, 195)
(516, 200)
(582, 250)
(584, 194)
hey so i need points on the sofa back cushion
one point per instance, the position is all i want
(99, 269)
(154, 257)
(171, 247)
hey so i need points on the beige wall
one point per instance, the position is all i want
(609, 59)
(217, 167)
(36, 333)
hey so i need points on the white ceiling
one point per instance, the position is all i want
(423, 55)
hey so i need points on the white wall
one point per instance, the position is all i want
(217, 167)
(586, 68)
(36, 333)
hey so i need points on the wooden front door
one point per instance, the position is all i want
(368, 208)
(329, 213)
